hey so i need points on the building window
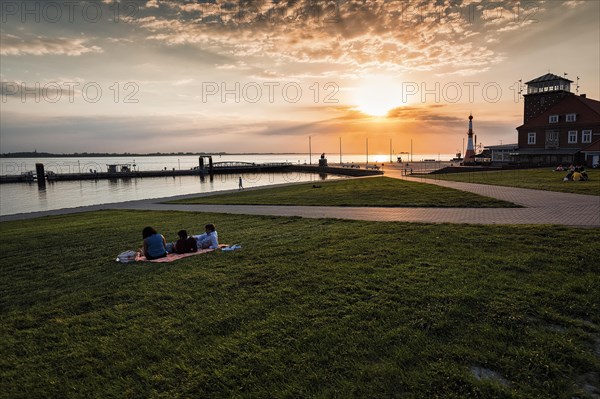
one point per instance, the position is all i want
(586, 136)
(572, 136)
(553, 119)
(531, 138)
(571, 117)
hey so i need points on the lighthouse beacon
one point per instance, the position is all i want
(469, 158)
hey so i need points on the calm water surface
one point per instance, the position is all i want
(28, 197)
(16, 166)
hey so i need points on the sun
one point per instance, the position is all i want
(377, 95)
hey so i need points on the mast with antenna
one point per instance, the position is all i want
(520, 87)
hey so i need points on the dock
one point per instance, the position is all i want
(218, 168)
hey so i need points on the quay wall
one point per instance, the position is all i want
(335, 170)
(174, 172)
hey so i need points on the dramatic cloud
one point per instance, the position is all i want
(390, 35)
(40, 45)
(195, 66)
(422, 114)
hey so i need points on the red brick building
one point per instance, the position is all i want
(558, 126)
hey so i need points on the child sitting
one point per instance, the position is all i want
(185, 244)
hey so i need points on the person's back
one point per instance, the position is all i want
(185, 245)
(569, 176)
(584, 176)
(577, 176)
(154, 246)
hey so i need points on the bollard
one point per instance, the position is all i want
(41, 177)
(201, 167)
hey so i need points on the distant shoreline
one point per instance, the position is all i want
(171, 154)
(127, 154)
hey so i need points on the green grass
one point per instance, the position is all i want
(377, 192)
(308, 308)
(539, 179)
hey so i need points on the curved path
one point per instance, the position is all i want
(539, 207)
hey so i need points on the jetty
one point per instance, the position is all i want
(127, 171)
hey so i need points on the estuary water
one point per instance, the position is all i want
(28, 197)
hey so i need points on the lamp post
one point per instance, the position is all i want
(309, 151)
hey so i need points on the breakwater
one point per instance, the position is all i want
(336, 170)
(216, 169)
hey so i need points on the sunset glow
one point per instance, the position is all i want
(377, 96)
(234, 76)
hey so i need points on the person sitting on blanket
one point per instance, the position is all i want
(154, 244)
(185, 244)
(210, 239)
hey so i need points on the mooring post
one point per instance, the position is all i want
(41, 177)
(210, 167)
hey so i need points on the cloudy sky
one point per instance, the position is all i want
(263, 76)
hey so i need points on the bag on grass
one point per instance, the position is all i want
(126, 257)
(231, 247)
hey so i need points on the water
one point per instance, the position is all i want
(28, 197)
(16, 166)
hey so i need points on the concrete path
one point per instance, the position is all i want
(540, 207)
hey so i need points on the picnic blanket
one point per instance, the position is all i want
(173, 257)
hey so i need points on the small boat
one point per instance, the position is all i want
(458, 158)
(29, 176)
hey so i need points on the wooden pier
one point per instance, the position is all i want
(218, 168)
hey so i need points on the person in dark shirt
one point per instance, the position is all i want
(185, 244)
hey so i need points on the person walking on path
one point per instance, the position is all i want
(241, 186)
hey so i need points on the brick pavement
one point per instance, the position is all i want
(539, 207)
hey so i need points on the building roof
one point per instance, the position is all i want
(502, 146)
(595, 146)
(542, 119)
(548, 77)
(593, 104)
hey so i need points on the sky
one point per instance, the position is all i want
(264, 76)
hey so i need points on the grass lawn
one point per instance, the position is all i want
(308, 308)
(539, 179)
(376, 191)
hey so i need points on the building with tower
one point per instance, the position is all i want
(558, 126)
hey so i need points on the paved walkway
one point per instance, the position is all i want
(539, 207)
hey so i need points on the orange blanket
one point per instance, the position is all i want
(174, 257)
